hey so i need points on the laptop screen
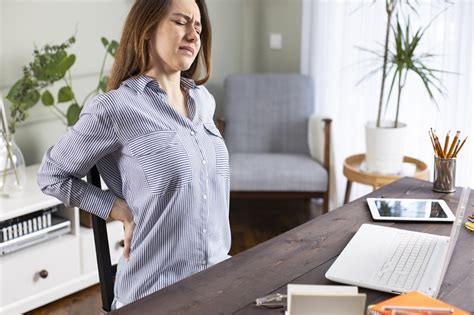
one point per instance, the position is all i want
(453, 238)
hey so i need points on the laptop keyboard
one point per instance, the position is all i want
(406, 265)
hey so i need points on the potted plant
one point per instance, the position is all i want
(51, 64)
(385, 138)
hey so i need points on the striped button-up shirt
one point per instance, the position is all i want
(172, 171)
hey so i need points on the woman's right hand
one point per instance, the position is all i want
(121, 212)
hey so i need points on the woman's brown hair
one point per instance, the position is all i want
(132, 56)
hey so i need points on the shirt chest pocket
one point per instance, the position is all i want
(164, 160)
(222, 155)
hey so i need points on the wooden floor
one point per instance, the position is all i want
(252, 222)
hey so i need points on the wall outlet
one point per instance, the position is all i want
(276, 41)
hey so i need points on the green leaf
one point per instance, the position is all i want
(105, 42)
(31, 98)
(65, 94)
(66, 64)
(112, 49)
(24, 94)
(12, 94)
(103, 83)
(47, 98)
(45, 66)
(61, 65)
(365, 77)
(391, 89)
(73, 113)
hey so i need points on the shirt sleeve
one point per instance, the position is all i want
(208, 102)
(71, 158)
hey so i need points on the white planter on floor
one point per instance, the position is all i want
(385, 147)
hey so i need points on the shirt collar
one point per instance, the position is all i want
(188, 83)
(139, 82)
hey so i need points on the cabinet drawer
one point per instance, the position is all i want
(38, 268)
(88, 256)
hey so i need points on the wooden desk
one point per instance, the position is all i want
(302, 256)
(353, 173)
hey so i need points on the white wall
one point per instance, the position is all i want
(240, 45)
(241, 30)
(233, 44)
(281, 17)
(25, 24)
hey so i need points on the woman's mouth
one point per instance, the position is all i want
(187, 50)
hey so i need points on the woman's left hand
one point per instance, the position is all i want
(121, 212)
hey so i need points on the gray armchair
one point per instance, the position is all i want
(266, 132)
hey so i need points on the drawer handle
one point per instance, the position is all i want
(121, 243)
(43, 274)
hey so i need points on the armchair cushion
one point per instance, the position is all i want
(276, 172)
(268, 113)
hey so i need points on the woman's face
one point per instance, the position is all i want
(176, 40)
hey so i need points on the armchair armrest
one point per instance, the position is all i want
(319, 139)
(327, 142)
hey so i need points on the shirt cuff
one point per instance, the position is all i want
(97, 201)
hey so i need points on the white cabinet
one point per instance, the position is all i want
(88, 258)
(38, 268)
(47, 271)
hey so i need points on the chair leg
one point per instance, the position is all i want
(309, 209)
(326, 202)
(313, 210)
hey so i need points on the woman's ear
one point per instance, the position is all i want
(147, 35)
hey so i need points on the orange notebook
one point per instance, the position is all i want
(408, 302)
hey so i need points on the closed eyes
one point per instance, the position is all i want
(183, 19)
(183, 23)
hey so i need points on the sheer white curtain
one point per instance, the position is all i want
(330, 33)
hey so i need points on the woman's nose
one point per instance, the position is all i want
(192, 35)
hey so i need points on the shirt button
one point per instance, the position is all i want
(203, 162)
(204, 230)
(192, 133)
(204, 197)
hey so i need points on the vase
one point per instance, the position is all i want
(12, 168)
(385, 147)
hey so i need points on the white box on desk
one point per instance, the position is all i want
(304, 299)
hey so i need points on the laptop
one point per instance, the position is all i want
(395, 260)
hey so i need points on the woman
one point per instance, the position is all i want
(153, 139)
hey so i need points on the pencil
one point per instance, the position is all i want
(453, 145)
(446, 143)
(438, 149)
(438, 145)
(455, 148)
(432, 143)
(459, 148)
(417, 308)
(435, 147)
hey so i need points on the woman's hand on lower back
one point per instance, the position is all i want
(121, 212)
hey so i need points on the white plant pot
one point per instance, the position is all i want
(385, 147)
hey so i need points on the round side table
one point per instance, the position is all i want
(354, 174)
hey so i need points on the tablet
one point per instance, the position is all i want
(400, 209)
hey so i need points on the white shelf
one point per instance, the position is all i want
(69, 260)
(29, 200)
